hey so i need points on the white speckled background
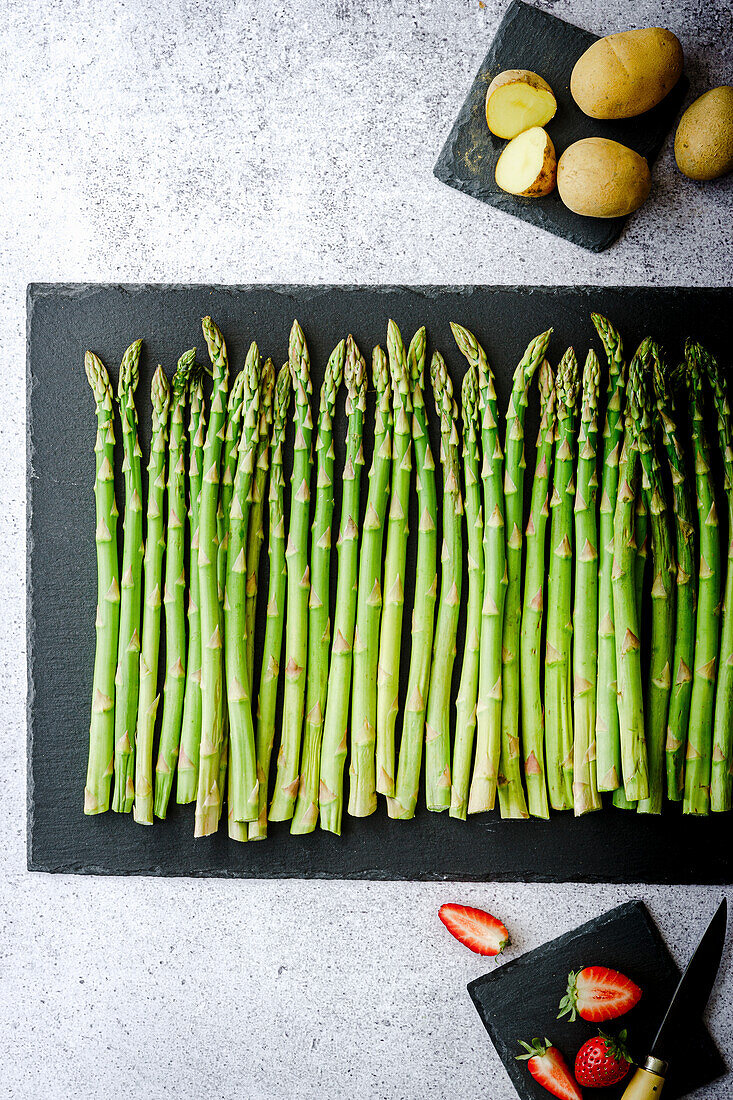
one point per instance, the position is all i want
(225, 141)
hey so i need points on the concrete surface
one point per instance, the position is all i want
(223, 141)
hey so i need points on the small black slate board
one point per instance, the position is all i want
(611, 846)
(520, 1000)
(532, 39)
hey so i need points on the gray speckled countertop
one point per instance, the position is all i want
(226, 141)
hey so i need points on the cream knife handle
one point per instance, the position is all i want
(648, 1082)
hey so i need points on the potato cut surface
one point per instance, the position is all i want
(527, 166)
(515, 107)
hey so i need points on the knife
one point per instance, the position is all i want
(688, 1002)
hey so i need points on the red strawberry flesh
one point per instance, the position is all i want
(549, 1069)
(598, 994)
(475, 928)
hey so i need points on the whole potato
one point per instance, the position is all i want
(600, 178)
(703, 145)
(626, 74)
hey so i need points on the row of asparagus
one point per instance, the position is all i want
(566, 688)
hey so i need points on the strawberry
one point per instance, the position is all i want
(549, 1069)
(603, 1061)
(477, 930)
(598, 994)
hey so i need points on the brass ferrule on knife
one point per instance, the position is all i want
(647, 1082)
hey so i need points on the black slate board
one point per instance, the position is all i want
(520, 1000)
(65, 320)
(532, 39)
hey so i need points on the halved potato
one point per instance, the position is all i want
(516, 101)
(600, 178)
(528, 165)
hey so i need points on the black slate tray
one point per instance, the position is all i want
(65, 320)
(532, 39)
(520, 1000)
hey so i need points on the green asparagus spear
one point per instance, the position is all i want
(127, 676)
(305, 817)
(585, 616)
(362, 771)
(256, 534)
(188, 755)
(390, 636)
(558, 671)
(721, 792)
(437, 720)
(102, 725)
(336, 719)
(659, 684)
(468, 688)
(209, 794)
(296, 622)
(148, 697)
(426, 586)
(511, 792)
(482, 794)
(533, 717)
(698, 768)
(174, 589)
(271, 650)
(243, 797)
(608, 742)
(685, 542)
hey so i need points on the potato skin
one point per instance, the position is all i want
(600, 178)
(626, 74)
(703, 145)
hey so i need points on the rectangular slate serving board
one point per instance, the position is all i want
(520, 999)
(532, 39)
(65, 320)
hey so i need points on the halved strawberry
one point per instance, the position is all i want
(597, 994)
(549, 1069)
(603, 1061)
(476, 929)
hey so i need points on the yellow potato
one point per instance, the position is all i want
(703, 145)
(516, 100)
(600, 178)
(626, 74)
(528, 165)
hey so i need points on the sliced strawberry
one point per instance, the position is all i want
(603, 1061)
(477, 930)
(549, 1069)
(597, 994)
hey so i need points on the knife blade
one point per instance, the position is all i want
(688, 1001)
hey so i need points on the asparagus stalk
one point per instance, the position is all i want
(188, 756)
(608, 741)
(272, 647)
(482, 794)
(721, 793)
(659, 684)
(533, 607)
(467, 700)
(209, 794)
(127, 675)
(298, 591)
(305, 817)
(698, 768)
(362, 771)
(243, 786)
(585, 616)
(684, 645)
(102, 724)
(511, 792)
(390, 636)
(148, 697)
(256, 534)
(626, 610)
(174, 589)
(558, 672)
(437, 721)
(426, 586)
(336, 720)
